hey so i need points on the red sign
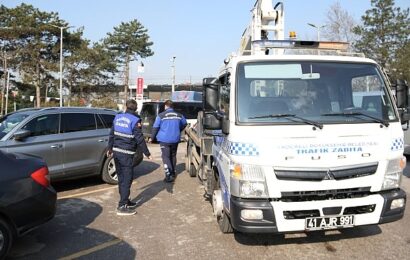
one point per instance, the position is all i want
(140, 86)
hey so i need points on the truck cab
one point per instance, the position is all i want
(308, 143)
(305, 135)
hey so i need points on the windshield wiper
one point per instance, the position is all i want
(357, 113)
(304, 120)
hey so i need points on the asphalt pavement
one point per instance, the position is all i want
(175, 221)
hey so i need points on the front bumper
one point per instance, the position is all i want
(389, 215)
(275, 218)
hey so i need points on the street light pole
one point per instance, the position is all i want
(61, 59)
(7, 93)
(173, 75)
(318, 27)
(5, 81)
(61, 66)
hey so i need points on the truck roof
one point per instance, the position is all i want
(304, 58)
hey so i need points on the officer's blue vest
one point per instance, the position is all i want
(124, 125)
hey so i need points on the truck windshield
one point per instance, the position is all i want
(322, 92)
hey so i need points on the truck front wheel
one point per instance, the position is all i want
(222, 218)
(225, 223)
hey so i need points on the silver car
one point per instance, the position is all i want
(72, 141)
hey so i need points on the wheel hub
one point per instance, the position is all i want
(217, 203)
(111, 170)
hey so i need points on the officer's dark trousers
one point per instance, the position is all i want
(124, 169)
(169, 157)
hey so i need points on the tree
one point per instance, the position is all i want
(384, 33)
(128, 42)
(339, 24)
(35, 42)
(402, 63)
(88, 66)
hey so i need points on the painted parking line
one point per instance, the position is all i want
(92, 249)
(75, 195)
(86, 193)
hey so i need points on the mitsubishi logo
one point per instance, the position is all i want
(329, 175)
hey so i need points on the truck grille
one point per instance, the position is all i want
(326, 174)
(325, 194)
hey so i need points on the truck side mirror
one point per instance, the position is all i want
(211, 94)
(225, 124)
(212, 121)
(402, 102)
(402, 91)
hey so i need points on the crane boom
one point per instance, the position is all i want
(265, 18)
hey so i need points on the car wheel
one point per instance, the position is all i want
(6, 238)
(138, 158)
(109, 173)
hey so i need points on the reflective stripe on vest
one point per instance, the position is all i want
(123, 135)
(116, 149)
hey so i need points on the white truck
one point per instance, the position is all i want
(298, 135)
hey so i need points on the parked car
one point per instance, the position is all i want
(72, 141)
(150, 110)
(27, 199)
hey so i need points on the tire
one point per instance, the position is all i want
(192, 170)
(138, 158)
(188, 158)
(109, 174)
(225, 223)
(6, 238)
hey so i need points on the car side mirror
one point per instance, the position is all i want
(21, 134)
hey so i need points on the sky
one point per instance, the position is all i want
(199, 34)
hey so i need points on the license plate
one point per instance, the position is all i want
(329, 222)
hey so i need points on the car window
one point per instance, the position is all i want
(43, 125)
(189, 110)
(73, 122)
(108, 119)
(100, 124)
(9, 122)
(148, 110)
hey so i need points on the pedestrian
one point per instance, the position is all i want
(125, 137)
(167, 131)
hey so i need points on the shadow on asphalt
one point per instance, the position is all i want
(153, 189)
(68, 233)
(305, 238)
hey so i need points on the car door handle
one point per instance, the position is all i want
(56, 146)
(102, 140)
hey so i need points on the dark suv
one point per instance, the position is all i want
(72, 141)
(150, 110)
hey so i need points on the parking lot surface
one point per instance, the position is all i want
(175, 221)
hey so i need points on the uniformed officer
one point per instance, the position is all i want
(125, 136)
(167, 130)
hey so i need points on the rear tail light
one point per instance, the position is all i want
(41, 177)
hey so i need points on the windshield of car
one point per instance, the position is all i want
(9, 122)
(322, 92)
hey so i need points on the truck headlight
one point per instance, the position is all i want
(251, 178)
(394, 171)
(252, 189)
